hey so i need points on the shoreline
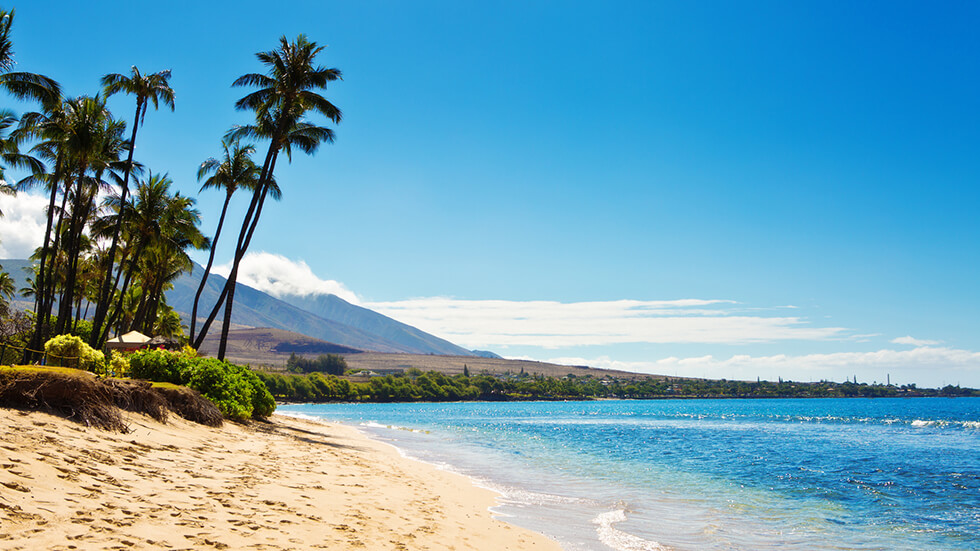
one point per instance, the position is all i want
(291, 483)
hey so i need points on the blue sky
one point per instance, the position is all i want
(803, 175)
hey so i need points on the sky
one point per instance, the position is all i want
(736, 190)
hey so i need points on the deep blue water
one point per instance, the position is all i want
(708, 474)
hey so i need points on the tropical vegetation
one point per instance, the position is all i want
(415, 386)
(117, 233)
(237, 391)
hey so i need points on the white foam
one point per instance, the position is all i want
(921, 423)
(619, 540)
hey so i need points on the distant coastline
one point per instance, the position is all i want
(414, 385)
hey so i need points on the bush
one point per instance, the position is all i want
(231, 392)
(71, 351)
(160, 366)
(118, 365)
(237, 391)
(263, 404)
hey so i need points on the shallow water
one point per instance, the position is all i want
(708, 474)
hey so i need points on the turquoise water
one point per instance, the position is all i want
(708, 474)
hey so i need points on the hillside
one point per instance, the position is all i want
(454, 365)
(334, 308)
(340, 322)
(322, 317)
(266, 347)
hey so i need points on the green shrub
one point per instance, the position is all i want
(237, 391)
(228, 389)
(263, 404)
(160, 366)
(71, 351)
(118, 365)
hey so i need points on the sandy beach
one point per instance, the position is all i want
(288, 484)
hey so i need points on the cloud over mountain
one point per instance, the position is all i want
(279, 276)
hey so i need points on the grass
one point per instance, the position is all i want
(46, 369)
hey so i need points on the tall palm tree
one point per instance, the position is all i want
(48, 127)
(286, 94)
(22, 85)
(148, 89)
(93, 140)
(303, 136)
(236, 170)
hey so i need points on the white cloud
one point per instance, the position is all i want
(22, 225)
(279, 276)
(489, 323)
(925, 366)
(908, 339)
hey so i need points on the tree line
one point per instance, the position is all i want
(117, 234)
(416, 386)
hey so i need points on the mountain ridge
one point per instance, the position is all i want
(358, 327)
(323, 317)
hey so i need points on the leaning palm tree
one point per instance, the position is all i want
(236, 170)
(22, 85)
(286, 94)
(148, 89)
(303, 136)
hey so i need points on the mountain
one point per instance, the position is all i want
(323, 317)
(334, 308)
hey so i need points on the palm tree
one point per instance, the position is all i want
(92, 141)
(159, 227)
(168, 257)
(22, 85)
(7, 290)
(10, 154)
(7, 286)
(148, 89)
(286, 94)
(49, 128)
(235, 171)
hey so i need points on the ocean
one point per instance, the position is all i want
(707, 474)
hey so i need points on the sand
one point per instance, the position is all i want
(288, 484)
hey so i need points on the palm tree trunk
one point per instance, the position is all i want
(48, 276)
(115, 285)
(233, 276)
(243, 240)
(140, 317)
(39, 297)
(207, 269)
(72, 249)
(154, 305)
(80, 214)
(125, 285)
(102, 308)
